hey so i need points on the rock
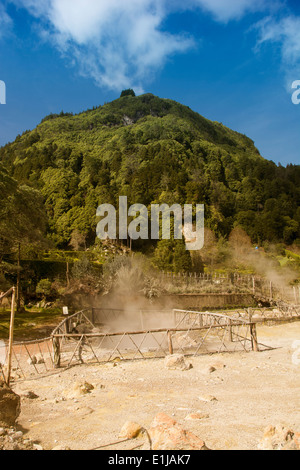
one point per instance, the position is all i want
(32, 361)
(196, 416)
(40, 359)
(209, 370)
(10, 405)
(2, 432)
(30, 395)
(166, 434)
(17, 435)
(37, 447)
(61, 448)
(207, 398)
(130, 430)
(177, 361)
(279, 438)
(184, 340)
(79, 390)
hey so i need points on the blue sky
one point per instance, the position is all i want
(233, 61)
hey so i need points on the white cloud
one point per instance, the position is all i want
(286, 33)
(119, 43)
(122, 43)
(226, 10)
(5, 22)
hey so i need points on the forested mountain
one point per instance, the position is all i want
(151, 150)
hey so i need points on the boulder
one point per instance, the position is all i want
(196, 416)
(10, 405)
(177, 361)
(130, 430)
(79, 390)
(279, 438)
(166, 434)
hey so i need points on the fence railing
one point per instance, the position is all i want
(256, 285)
(87, 337)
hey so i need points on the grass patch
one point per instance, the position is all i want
(31, 324)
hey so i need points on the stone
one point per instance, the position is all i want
(17, 435)
(79, 390)
(10, 405)
(207, 398)
(177, 361)
(40, 359)
(279, 438)
(209, 370)
(30, 395)
(196, 416)
(32, 361)
(130, 430)
(61, 448)
(37, 447)
(166, 434)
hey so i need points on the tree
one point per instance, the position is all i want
(128, 92)
(22, 220)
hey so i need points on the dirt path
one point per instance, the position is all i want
(253, 390)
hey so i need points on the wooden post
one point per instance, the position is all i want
(171, 351)
(56, 352)
(271, 290)
(230, 337)
(253, 333)
(11, 335)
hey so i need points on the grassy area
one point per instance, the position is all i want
(32, 324)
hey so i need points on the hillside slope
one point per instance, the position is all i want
(153, 150)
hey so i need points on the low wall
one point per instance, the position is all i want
(170, 301)
(181, 301)
(209, 301)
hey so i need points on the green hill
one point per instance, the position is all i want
(152, 150)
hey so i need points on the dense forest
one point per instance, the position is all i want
(151, 150)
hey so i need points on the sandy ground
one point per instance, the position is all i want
(253, 390)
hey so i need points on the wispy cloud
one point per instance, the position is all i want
(123, 43)
(116, 42)
(5, 22)
(286, 34)
(226, 10)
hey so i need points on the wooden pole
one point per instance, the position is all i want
(11, 334)
(254, 337)
(230, 336)
(56, 352)
(271, 290)
(171, 351)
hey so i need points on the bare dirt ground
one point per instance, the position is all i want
(253, 390)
